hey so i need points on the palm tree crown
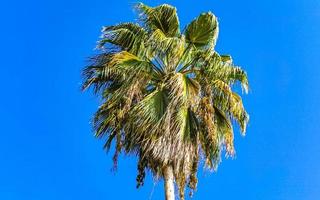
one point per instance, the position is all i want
(167, 95)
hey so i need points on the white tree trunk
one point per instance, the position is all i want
(168, 182)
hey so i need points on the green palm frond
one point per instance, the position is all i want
(98, 74)
(221, 67)
(230, 103)
(168, 49)
(203, 31)
(127, 36)
(163, 17)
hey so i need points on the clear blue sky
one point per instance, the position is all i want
(48, 152)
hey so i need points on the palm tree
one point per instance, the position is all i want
(167, 95)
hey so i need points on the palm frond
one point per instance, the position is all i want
(203, 31)
(127, 36)
(98, 74)
(217, 67)
(163, 17)
(230, 102)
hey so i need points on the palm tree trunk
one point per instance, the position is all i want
(168, 182)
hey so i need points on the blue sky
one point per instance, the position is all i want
(47, 150)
